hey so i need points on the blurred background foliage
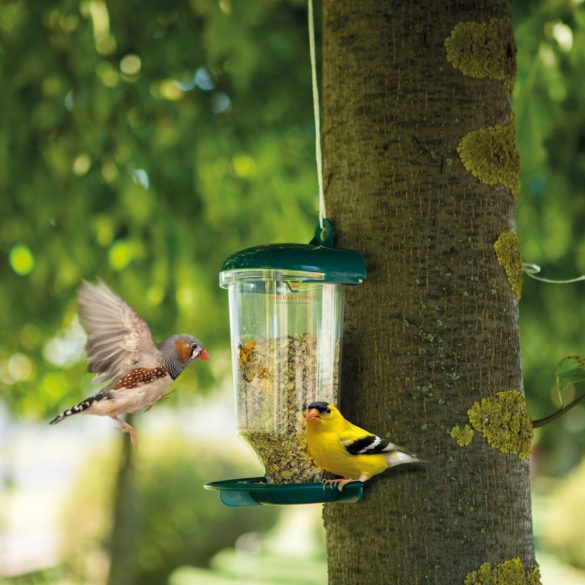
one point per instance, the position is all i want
(550, 123)
(170, 534)
(143, 142)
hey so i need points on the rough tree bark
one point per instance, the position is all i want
(421, 173)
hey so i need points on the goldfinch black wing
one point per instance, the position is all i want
(368, 445)
(374, 445)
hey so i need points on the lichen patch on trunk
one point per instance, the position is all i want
(483, 49)
(509, 572)
(490, 155)
(504, 422)
(507, 248)
(463, 436)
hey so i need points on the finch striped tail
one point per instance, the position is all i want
(84, 405)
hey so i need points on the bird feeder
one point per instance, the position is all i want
(286, 323)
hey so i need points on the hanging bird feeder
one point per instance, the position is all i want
(286, 322)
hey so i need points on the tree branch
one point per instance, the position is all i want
(541, 422)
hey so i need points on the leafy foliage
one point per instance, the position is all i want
(570, 370)
(142, 142)
(550, 122)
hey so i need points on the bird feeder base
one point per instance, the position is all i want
(255, 491)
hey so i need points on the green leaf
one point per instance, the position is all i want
(570, 370)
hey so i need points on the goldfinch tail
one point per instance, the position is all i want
(395, 458)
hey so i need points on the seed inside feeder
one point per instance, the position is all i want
(277, 378)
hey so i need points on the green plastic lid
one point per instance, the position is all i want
(318, 258)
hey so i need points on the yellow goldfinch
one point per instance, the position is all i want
(342, 448)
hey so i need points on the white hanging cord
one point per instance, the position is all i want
(322, 211)
(533, 269)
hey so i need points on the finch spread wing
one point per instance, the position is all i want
(118, 339)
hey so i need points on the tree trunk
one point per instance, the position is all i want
(126, 518)
(421, 172)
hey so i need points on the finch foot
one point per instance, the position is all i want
(126, 428)
(163, 397)
(339, 482)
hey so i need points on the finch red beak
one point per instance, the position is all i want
(203, 355)
(313, 415)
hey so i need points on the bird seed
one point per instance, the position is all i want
(277, 378)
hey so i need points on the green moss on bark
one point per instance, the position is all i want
(504, 421)
(507, 248)
(490, 155)
(510, 572)
(483, 50)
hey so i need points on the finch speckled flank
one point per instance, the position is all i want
(344, 449)
(121, 350)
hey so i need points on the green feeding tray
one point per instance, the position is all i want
(254, 491)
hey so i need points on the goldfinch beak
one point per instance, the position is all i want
(313, 415)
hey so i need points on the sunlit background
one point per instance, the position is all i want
(144, 142)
